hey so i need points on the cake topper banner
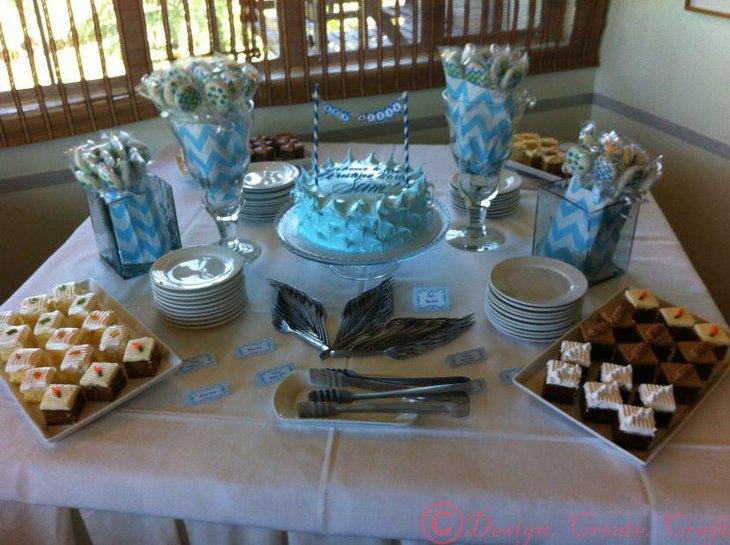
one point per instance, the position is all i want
(381, 115)
(398, 106)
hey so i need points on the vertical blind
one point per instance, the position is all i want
(70, 66)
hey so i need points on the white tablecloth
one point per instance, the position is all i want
(226, 472)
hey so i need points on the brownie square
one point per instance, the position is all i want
(619, 318)
(698, 354)
(98, 393)
(680, 323)
(559, 394)
(685, 380)
(61, 418)
(631, 441)
(658, 337)
(144, 368)
(598, 415)
(601, 337)
(642, 359)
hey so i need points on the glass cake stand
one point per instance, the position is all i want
(359, 266)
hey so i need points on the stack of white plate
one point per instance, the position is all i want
(505, 203)
(267, 185)
(535, 298)
(199, 287)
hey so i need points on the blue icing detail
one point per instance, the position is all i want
(363, 206)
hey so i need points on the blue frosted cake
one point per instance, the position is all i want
(363, 206)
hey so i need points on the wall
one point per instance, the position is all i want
(665, 80)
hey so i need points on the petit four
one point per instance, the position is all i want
(661, 399)
(9, 318)
(75, 363)
(698, 354)
(680, 323)
(715, 335)
(23, 359)
(141, 358)
(13, 338)
(644, 303)
(621, 375)
(96, 322)
(113, 343)
(64, 294)
(620, 320)
(601, 337)
(61, 340)
(81, 307)
(35, 381)
(48, 323)
(642, 359)
(600, 402)
(636, 427)
(32, 307)
(103, 381)
(62, 404)
(561, 381)
(658, 337)
(684, 378)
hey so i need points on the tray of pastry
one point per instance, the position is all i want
(632, 373)
(73, 355)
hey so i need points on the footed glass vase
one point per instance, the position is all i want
(481, 132)
(216, 156)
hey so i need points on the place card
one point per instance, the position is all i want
(274, 375)
(466, 357)
(254, 349)
(507, 376)
(428, 299)
(196, 362)
(206, 395)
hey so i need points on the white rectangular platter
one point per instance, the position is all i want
(93, 410)
(295, 388)
(532, 377)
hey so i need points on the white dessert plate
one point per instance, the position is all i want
(201, 312)
(203, 324)
(269, 176)
(195, 268)
(529, 323)
(538, 281)
(203, 297)
(295, 387)
(537, 312)
(94, 410)
(508, 182)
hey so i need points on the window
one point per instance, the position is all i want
(70, 66)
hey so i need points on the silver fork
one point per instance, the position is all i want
(310, 409)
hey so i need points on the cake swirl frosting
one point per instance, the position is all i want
(576, 352)
(658, 397)
(562, 373)
(637, 420)
(363, 206)
(602, 395)
(621, 374)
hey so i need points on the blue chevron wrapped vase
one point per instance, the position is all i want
(594, 237)
(133, 230)
(216, 155)
(482, 127)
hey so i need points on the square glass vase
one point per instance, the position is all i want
(596, 239)
(136, 229)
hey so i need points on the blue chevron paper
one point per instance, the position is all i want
(215, 153)
(586, 234)
(140, 230)
(481, 132)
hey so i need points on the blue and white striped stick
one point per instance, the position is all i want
(315, 158)
(406, 156)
